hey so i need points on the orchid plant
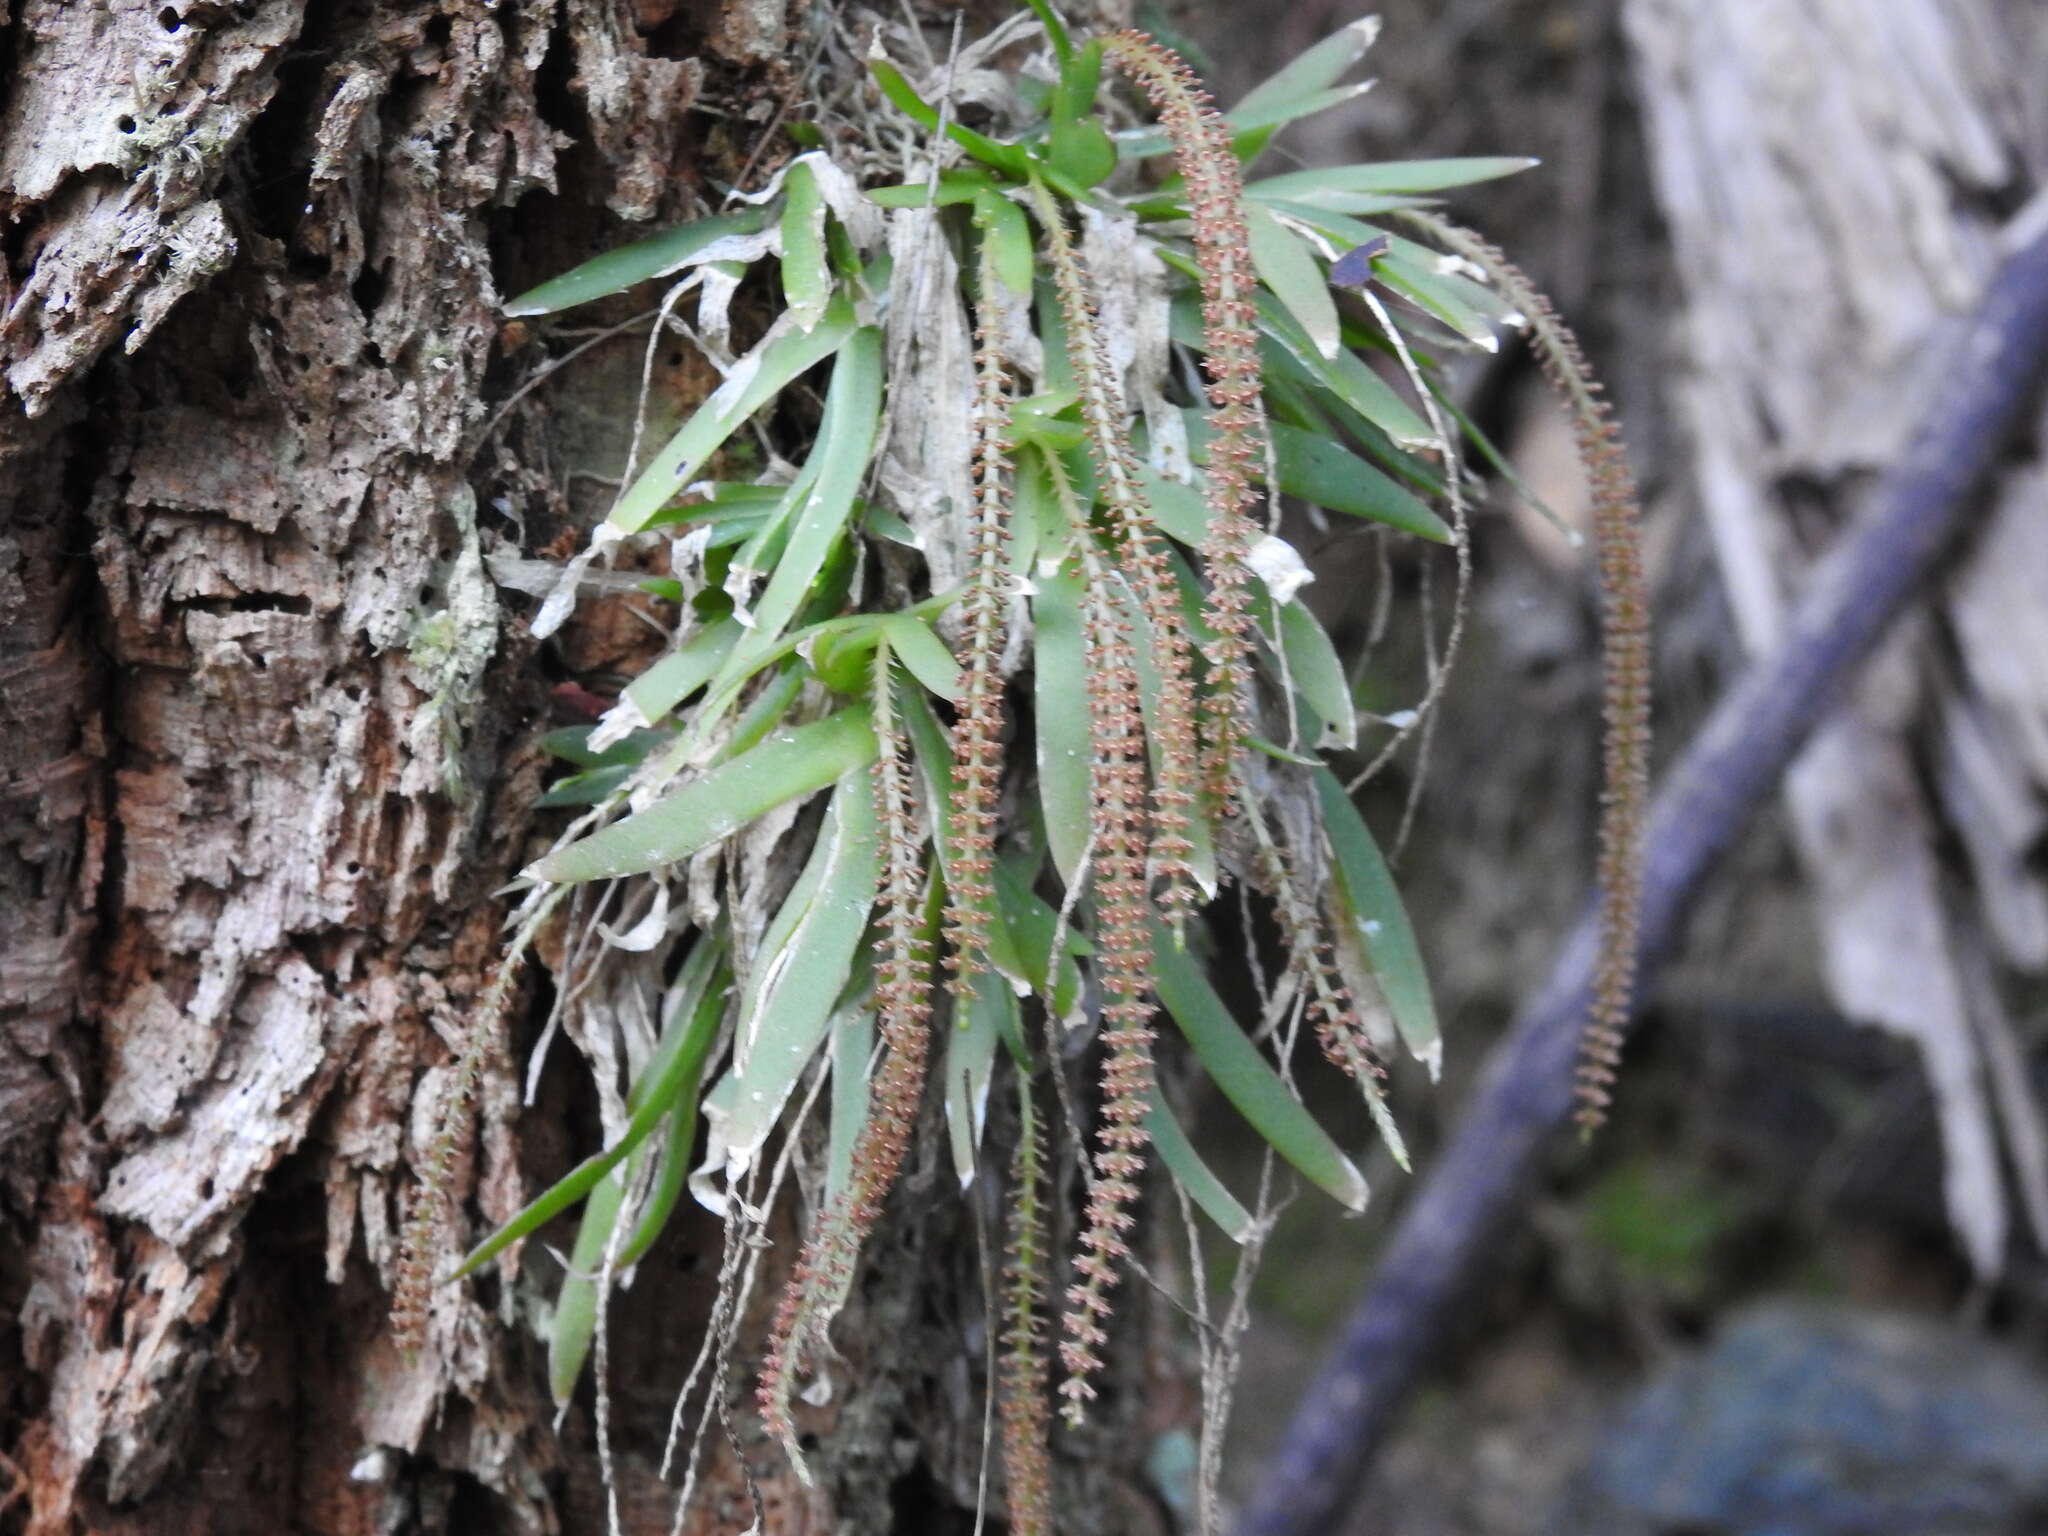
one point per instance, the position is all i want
(996, 676)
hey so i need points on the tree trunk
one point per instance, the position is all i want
(268, 753)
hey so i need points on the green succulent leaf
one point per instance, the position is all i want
(1313, 665)
(674, 1068)
(1177, 507)
(1060, 675)
(1254, 125)
(1180, 1159)
(1281, 754)
(765, 711)
(616, 271)
(1291, 357)
(1080, 78)
(790, 763)
(887, 523)
(962, 186)
(683, 670)
(1032, 924)
(575, 1320)
(572, 745)
(592, 787)
(730, 518)
(1331, 476)
(1055, 29)
(778, 360)
(851, 1030)
(1313, 70)
(1080, 150)
(1290, 271)
(1007, 158)
(1052, 331)
(1348, 378)
(989, 1015)
(1468, 309)
(1003, 224)
(806, 275)
(1028, 492)
(842, 655)
(783, 1019)
(1341, 229)
(819, 504)
(700, 993)
(1369, 899)
(1388, 178)
(924, 655)
(1246, 1078)
(1046, 420)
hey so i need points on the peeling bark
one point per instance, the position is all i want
(263, 757)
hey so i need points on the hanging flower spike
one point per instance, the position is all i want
(1332, 1010)
(1123, 962)
(1143, 561)
(1027, 1455)
(420, 1233)
(903, 987)
(1215, 192)
(1625, 647)
(978, 727)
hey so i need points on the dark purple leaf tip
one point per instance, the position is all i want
(1354, 268)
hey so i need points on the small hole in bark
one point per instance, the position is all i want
(169, 19)
(471, 1507)
(125, 123)
(368, 289)
(667, 33)
(206, 1189)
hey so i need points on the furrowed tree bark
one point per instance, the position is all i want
(258, 693)
(266, 731)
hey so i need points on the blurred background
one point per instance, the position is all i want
(1798, 1285)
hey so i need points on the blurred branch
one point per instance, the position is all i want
(1914, 516)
